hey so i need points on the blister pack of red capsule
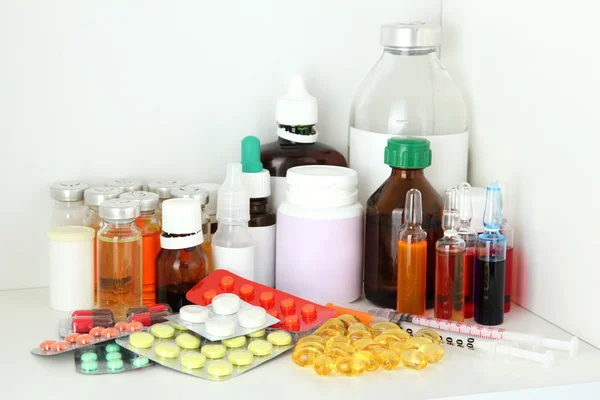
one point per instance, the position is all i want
(296, 314)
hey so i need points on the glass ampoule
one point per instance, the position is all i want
(449, 266)
(412, 258)
(469, 235)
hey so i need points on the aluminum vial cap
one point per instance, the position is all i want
(213, 190)
(163, 188)
(148, 201)
(68, 190)
(119, 210)
(191, 192)
(128, 185)
(94, 196)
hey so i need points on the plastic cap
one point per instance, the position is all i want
(128, 185)
(148, 201)
(407, 152)
(191, 192)
(234, 202)
(94, 196)
(412, 35)
(213, 188)
(256, 179)
(119, 210)
(449, 215)
(181, 216)
(492, 215)
(68, 190)
(163, 188)
(297, 106)
(251, 154)
(321, 186)
(413, 208)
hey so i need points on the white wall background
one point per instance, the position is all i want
(156, 90)
(530, 73)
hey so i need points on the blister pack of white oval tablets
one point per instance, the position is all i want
(190, 354)
(108, 358)
(226, 317)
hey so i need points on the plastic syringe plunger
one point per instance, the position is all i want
(233, 200)
(413, 208)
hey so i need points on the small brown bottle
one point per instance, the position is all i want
(297, 145)
(182, 262)
(408, 157)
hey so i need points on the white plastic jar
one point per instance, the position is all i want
(320, 235)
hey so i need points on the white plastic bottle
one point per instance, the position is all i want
(408, 92)
(232, 247)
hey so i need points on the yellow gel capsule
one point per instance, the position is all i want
(413, 359)
(328, 333)
(311, 345)
(337, 353)
(348, 319)
(332, 321)
(193, 360)
(257, 334)
(399, 333)
(389, 359)
(167, 350)
(377, 348)
(279, 338)
(399, 347)
(214, 350)
(433, 352)
(187, 341)
(370, 358)
(359, 326)
(312, 338)
(341, 329)
(323, 364)
(386, 340)
(305, 357)
(417, 342)
(360, 335)
(220, 368)
(379, 327)
(240, 357)
(260, 348)
(429, 334)
(348, 348)
(349, 366)
(337, 339)
(162, 331)
(362, 343)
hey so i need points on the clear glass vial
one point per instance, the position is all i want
(68, 205)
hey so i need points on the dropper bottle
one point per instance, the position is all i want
(412, 258)
(509, 233)
(469, 235)
(262, 219)
(449, 265)
(490, 266)
(232, 245)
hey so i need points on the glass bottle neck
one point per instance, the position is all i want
(119, 224)
(399, 173)
(409, 51)
(147, 213)
(68, 204)
(258, 206)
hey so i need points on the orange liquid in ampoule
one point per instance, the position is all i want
(412, 277)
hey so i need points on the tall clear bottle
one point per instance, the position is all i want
(412, 258)
(490, 267)
(151, 229)
(232, 244)
(449, 266)
(68, 203)
(469, 235)
(119, 244)
(408, 92)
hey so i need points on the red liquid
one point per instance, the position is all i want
(468, 289)
(449, 286)
(508, 279)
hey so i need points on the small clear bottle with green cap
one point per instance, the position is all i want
(407, 157)
(262, 219)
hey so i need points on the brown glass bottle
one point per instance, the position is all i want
(384, 220)
(260, 215)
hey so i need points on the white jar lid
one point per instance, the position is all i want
(252, 317)
(193, 314)
(220, 326)
(321, 186)
(226, 304)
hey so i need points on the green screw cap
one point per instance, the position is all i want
(407, 152)
(251, 155)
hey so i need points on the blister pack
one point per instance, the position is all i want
(217, 361)
(107, 358)
(226, 317)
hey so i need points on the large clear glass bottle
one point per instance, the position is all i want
(408, 92)
(68, 205)
(469, 235)
(119, 244)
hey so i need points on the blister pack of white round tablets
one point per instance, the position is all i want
(226, 317)
(190, 354)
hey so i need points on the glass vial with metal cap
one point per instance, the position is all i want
(68, 203)
(163, 190)
(201, 195)
(119, 244)
(150, 227)
(127, 185)
(211, 206)
(182, 262)
(93, 197)
(408, 92)
(408, 157)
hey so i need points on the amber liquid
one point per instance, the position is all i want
(119, 273)
(412, 277)
(468, 288)
(508, 280)
(449, 285)
(150, 228)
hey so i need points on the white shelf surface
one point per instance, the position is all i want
(28, 320)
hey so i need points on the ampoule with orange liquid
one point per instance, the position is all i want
(412, 257)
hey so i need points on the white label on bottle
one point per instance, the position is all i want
(448, 167)
(278, 189)
(240, 261)
(264, 254)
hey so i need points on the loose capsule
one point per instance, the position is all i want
(348, 348)
(399, 347)
(370, 358)
(348, 319)
(336, 353)
(429, 334)
(305, 357)
(389, 359)
(417, 342)
(337, 339)
(330, 322)
(329, 333)
(386, 340)
(379, 327)
(323, 364)
(359, 326)
(362, 343)
(377, 348)
(349, 366)
(310, 345)
(399, 333)
(413, 359)
(313, 338)
(433, 352)
(360, 335)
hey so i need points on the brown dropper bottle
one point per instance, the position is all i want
(408, 157)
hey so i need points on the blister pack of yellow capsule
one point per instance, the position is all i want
(177, 348)
(345, 346)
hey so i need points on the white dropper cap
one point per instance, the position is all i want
(233, 201)
(183, 219)
(297, 106)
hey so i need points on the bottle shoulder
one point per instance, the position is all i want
(392, 194)
(277, 157)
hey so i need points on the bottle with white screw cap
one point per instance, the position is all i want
(232, 244)
(211, 206)
(68, 205)
(119, 257)
(182, 262)
(163, 190)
